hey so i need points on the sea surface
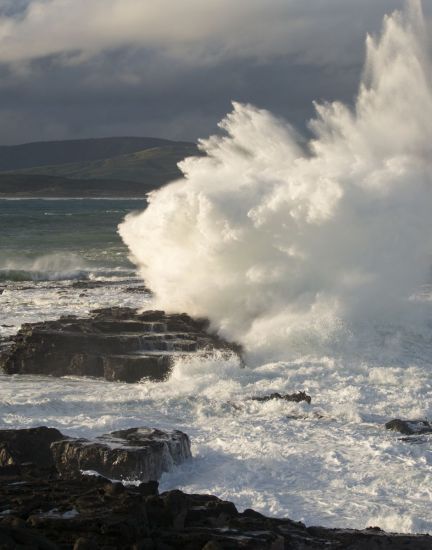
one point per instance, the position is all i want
(330, 463)
(62, 256)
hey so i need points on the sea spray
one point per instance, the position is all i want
(294, 249)
(59, 266)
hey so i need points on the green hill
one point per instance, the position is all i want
(29, 155)
(156, 165)
(121, 173)
(33, 186)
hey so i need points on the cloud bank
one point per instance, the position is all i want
(191, 30)
(78, 68)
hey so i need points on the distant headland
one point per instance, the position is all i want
(98, 167)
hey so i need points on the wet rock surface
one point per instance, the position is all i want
(5, 343)
(118, 344)
(32, 445)
(293, 397)
(410, 427)
(94, 513)
(137, 454)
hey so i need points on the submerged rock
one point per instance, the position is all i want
(91, 513)
(118, 344)
(409, 427)
(138, 290)
(136, 454)
(294, 397)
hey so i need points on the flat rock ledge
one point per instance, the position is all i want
(136, 454)
(118, 344)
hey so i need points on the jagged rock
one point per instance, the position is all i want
(409, 427)
(138, 290)
(118, 344)
(32, 445)
(139, 454)
(294, 397)
(135, 454)
(91, 512)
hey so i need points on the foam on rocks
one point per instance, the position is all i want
(137, 454)
(118, 344)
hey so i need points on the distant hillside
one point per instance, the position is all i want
(23, 185)
(28, 155)
(114, 167)
(151, 166)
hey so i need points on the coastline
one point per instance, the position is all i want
(74, 198)
(341, 432)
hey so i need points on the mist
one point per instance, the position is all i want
(294, 247)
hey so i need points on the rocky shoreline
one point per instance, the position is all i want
(59, 492)
(118, 344)
(45, 506)
(128, 455)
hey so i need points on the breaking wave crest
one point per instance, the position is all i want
(294, 249)
(50, 267)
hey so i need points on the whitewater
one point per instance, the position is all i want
(315, 256)
(293, 249)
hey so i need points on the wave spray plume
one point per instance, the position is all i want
(294, 249)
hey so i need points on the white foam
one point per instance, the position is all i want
(292, 249)
(31, 302)
(330, 463)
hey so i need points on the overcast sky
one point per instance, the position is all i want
(169, 68)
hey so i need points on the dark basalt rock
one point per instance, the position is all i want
(5, 343)
(118, 344)
(409, 427)
(294, 397)
(135, 454)
(138, 290)
(138, 454)
(91, 513)
(32, 445)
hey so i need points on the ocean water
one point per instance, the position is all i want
(62, 239)
(48, 248)
(316, 258)
(330, 463)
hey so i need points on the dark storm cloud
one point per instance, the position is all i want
(75, 68)
(12, 8)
